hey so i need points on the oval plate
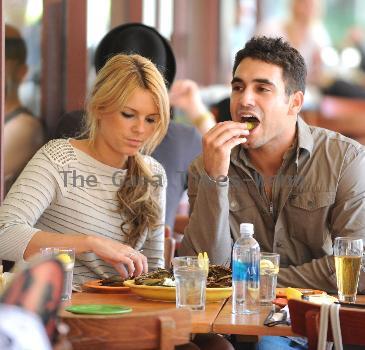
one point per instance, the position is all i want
(95, 286)
(169, 293)
(98, 309)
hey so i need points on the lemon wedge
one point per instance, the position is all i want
(293, 293)
(266, 264)
(203, 261)
(267, 267)
(64, 258)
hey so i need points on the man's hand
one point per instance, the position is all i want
(217, 145)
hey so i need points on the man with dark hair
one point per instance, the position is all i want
(301, 186)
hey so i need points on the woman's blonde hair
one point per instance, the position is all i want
(115, 83)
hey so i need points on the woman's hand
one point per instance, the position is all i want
(126, 260)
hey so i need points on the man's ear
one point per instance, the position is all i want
(295, 103)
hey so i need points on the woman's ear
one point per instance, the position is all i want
(295, 103)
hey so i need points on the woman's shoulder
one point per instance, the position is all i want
(156, 167)
(59, 151)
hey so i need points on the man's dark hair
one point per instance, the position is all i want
(279, 52)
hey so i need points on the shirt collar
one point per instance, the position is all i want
(305, 138)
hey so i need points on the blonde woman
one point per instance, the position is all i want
(103, 195)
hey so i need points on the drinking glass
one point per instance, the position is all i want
(269, 269)
(348, 252)
(67, 257)
(191, 278)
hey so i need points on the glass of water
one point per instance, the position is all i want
(191, 279)
(269, 269)
(67, 257)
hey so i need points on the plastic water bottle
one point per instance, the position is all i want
(246, 272)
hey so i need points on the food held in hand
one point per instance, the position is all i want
(250, 125)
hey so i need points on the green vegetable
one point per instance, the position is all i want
(250, 125)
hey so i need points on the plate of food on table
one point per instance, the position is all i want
(113, 284)
(312, 295)
(160, 284)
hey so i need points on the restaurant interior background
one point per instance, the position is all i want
(61, 36)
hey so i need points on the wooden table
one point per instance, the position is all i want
(228, 323)
(217, 317)
(202, 321)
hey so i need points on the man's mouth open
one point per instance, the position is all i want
(251, 121)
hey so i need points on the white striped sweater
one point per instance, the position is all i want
(64, 190)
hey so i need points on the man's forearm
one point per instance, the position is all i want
(208, 228)
(317, 274)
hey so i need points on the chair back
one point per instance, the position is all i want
(144, 330)
(304, 318)
(344, 115)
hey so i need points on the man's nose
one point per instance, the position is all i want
(247, 97)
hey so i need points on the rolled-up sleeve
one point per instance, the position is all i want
(208, 229)
(28, 198)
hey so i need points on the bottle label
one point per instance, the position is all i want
(245, 271)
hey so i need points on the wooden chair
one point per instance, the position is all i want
(305, 321)
(148, 330)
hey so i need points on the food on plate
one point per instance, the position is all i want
(154, 278)
(218, 277)
(293, 293)
(298, 292)
(312, 295)
(113, 281)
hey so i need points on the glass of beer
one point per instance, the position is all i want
(348, 252)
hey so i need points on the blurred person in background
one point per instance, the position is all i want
(305, 31)
(23, 132)
(352, 83)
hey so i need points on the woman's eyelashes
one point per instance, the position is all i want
(127, 115)
(151, 120)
